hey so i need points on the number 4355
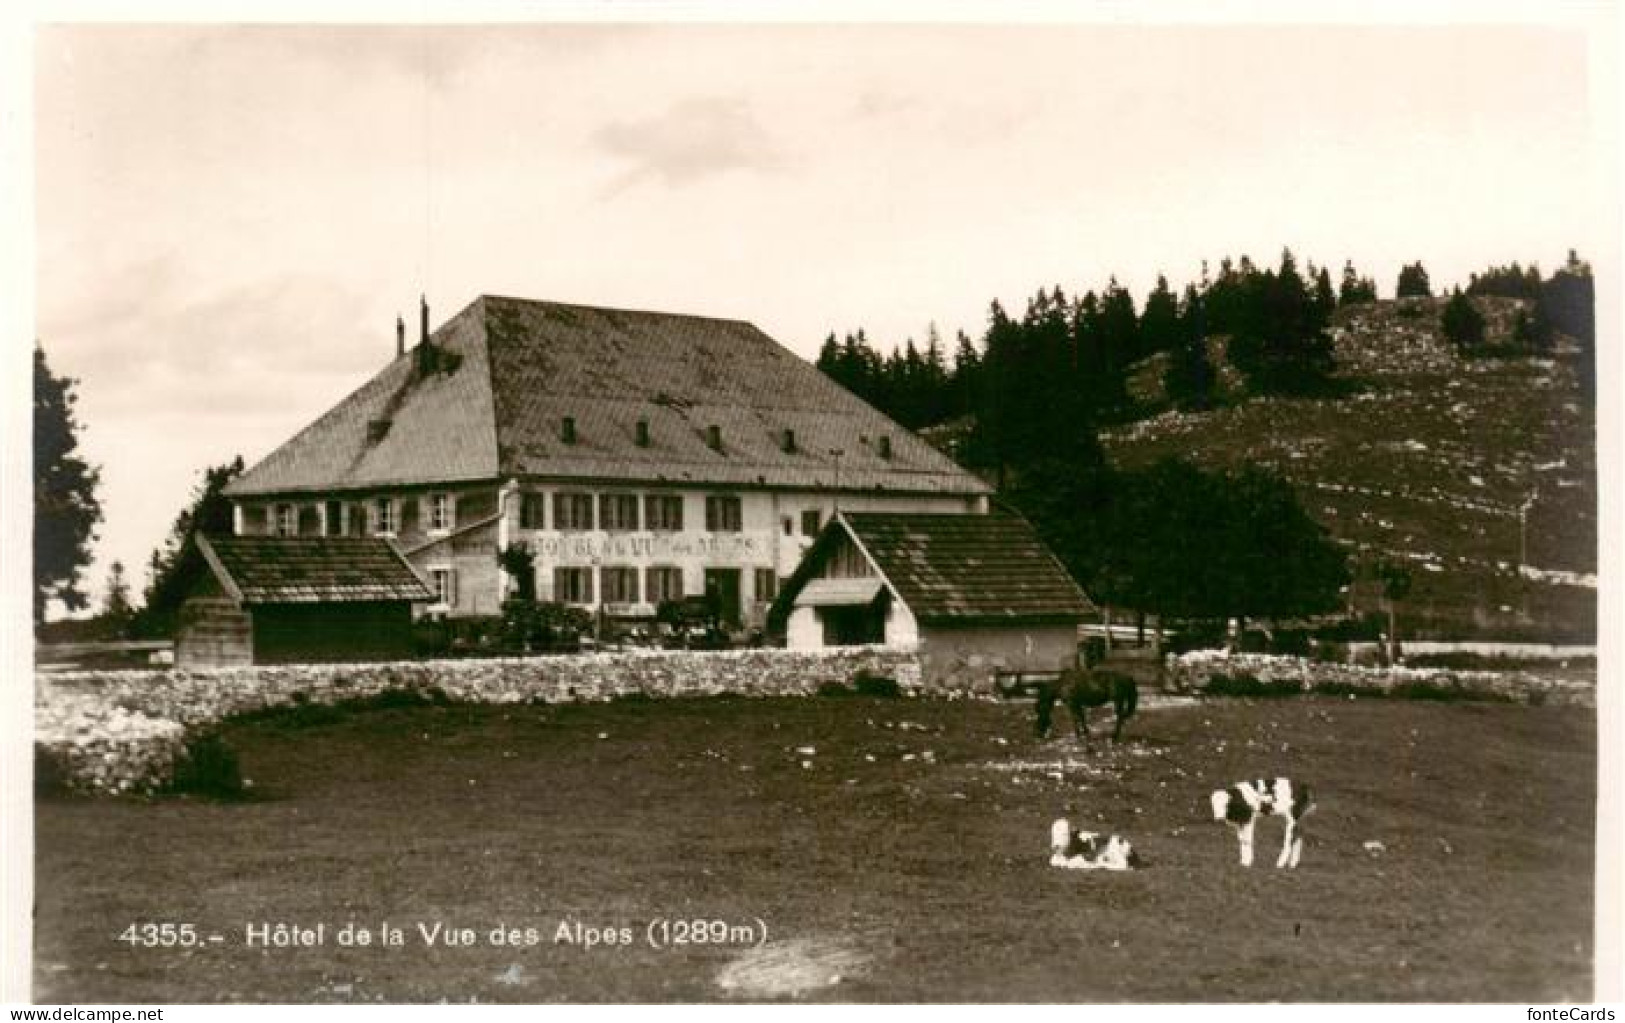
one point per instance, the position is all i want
(153, 935)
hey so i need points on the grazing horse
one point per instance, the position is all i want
(1084, 688)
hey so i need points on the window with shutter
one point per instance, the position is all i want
(531, 511)
(620, 585)
(663, 513)
(618, 513)
(442, 512)
(767, 585)
(445, 586)
(663, 583)
(722, 514)
(572, 585)
(572, 512)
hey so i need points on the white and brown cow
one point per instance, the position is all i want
(1243, 803)
(1086, 850)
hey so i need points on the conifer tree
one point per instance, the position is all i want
(178, 564)
(117, 611)
(1413, 282)
(1159, 322)
(66, 508)
(1355, 289)
(1463, 324)
(1325, 297)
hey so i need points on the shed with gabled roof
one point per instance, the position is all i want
(976, 595)
(274, 600)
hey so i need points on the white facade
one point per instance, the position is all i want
(775, 530)
(452, 536)
(804, 629)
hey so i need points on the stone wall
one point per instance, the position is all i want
(98, 745)
(119, 731)
(1190, 673)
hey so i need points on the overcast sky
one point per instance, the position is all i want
(229, 219)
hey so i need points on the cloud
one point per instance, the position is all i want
(693, 140)
(884, 103)
(151, 346)
(431, 54)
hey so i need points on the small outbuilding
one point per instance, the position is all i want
(977, 596)
(288, 600)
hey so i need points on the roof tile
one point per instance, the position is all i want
(522, 366)
(965, 569)
(299, 570)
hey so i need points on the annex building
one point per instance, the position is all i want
(641, 457)
(282, 600)
(975, 595)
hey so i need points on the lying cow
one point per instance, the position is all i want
(1085, 850)
(1243, 803)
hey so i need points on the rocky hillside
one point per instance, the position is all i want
(1463, 468)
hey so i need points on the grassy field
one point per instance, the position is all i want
(1428, 462)
(909, 877)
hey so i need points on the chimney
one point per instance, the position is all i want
(400, 337)
(423, 319)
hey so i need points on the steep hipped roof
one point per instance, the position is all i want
(953, 569)
(510, 371)
(307, 570)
